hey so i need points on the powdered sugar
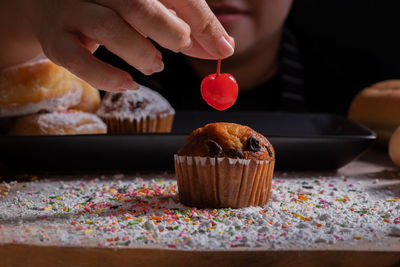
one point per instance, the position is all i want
(302, 212)
(62, 120)
(70, 99)
(135, 105)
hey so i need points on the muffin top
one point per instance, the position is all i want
(231, 140)
(135, 104)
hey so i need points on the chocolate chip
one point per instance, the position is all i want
(253, 144)
(267, 146)
(235, 153)
(115, 97)
(214, 149)
(135, 105)
(139, 104)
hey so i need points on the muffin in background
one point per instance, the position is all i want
(225, 165)
(136, 111)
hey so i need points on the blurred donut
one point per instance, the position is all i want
(378, 108)
(59, 123)
(38, 86)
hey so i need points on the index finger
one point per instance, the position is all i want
(205, 27)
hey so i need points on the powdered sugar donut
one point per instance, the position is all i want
(38, 86)
(142, 110)
(59, 123)
(90, 100)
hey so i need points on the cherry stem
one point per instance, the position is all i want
(218, 67)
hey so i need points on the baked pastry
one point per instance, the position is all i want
(142, 110)
(38, 86)
(394, 147)
(378, 108)
(225, 165)
(90, 100)
(59, 123)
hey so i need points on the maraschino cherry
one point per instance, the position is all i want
(219, 90)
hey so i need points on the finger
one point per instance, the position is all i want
(67, 51)
(104, 26)
(205, 27)
(154, 20)
(198, 51)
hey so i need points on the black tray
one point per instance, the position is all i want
(301, 142)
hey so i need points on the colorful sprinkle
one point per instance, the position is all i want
(131, 212)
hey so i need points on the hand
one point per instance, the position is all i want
(71, 30)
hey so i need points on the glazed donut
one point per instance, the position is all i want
(378, 107)
(90, 100)
(59, 123)
(394, 147)
(38, 86)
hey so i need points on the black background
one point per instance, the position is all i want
(346, 46)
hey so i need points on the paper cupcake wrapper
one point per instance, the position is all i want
(159, 124)
(223, 182)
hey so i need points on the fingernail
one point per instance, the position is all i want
(232, 41)
(224, 47)
(129, 85)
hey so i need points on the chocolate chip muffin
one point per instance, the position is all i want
(136, 111)
(225, 165)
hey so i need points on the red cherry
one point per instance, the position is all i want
(219, 90)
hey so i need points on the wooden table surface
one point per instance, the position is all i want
(374, 164)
